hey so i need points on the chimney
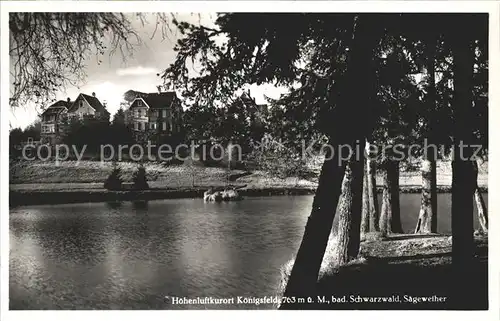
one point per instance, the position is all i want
(93, 94)
(104, 103)
(68, 99)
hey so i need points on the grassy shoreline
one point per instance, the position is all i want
(39, 197)
(45, 183)
(399, 265)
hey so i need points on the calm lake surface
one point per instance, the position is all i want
(132, 255)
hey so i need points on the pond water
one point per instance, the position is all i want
(133, 255)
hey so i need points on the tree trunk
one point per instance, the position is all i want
(360, 71)
(427, 218)
(373, 195)
(304, 274)
(396, 208)
(482, 215)
(481, 211)
(464, 180)
(365, 214)
(390, 219)
(371, 168)
(385, 211)
(349, 209)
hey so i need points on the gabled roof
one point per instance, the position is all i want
(250, 103)
(93, 102)
(158, 100)
(57, 107)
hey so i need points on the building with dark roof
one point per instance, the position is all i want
(55, 116)
(52, 119)
(160, 112)
(85, 105)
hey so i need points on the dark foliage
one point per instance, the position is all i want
(139, 179)
(114, 181)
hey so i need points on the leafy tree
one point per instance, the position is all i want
(88, 132)
(119, 133)
(142, 137)
(271, 52)
(33, 131)
(131, 94)
(119, 117)
(202, 122)
(16, 135)
(277, 159)
(239, 123)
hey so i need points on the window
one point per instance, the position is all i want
(81, 103)
(164, 113)
(136, 113)
(157, 113)
(144, 113)
(164, 125)
(139, 103)
(48, 129)
(143, 126)
(136, 126)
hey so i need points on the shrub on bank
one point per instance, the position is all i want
(114, 180)
(277, 159)
(139, 179)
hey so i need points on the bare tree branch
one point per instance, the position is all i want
(48, 51)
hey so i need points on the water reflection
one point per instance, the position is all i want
(140, 205)
(114, 205)
(132, 255)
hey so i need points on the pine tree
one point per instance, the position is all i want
(139, 179)
(114, 180)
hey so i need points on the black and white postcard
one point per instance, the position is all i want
(249, 156)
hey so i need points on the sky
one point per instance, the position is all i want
(114, 76)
